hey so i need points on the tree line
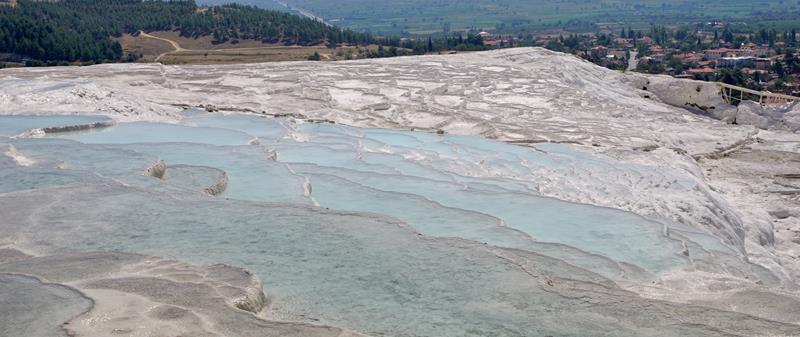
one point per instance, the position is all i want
(404, 46)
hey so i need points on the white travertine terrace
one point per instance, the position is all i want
(631, 145)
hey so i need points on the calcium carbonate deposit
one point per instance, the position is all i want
(517, 192)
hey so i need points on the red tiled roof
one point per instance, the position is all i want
(704, 70)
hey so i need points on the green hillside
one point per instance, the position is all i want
(81, 30)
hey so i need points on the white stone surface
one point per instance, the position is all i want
(517, 95)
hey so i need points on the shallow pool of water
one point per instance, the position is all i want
(323, 243)
(448, 186)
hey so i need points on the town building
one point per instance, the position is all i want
(763, 64)
(737, 62)
(718, 53)
(599, 51)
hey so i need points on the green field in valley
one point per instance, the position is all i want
(410, 17)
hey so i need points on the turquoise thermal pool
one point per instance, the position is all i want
(349, 226)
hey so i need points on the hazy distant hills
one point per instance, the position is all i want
(507, 16)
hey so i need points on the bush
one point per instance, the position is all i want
(34, 63)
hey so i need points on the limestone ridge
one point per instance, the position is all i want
(171, 296)
(40, 132)
(210, 180)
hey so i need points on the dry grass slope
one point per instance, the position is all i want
(169, 47)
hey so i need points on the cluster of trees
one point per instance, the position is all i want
(315, 56)
(43, 31)
(573, 42)
(81, 30)
(386, 52)
(790, 65)
(770, 36)
(455, 41)
(472, 42)
(245, 22)
(391, 47)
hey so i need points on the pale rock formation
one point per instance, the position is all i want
(657, 130)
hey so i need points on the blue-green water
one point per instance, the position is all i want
(411, 176)
(334, 263)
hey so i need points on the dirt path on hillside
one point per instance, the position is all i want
(174, 44)
(177, 47)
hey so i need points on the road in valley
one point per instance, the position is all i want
(632, 60)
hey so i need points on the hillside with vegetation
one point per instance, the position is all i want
(83, 30)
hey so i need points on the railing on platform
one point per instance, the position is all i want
(729, 91)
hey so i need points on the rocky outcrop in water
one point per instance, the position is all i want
(157, 170)
(202, 178)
